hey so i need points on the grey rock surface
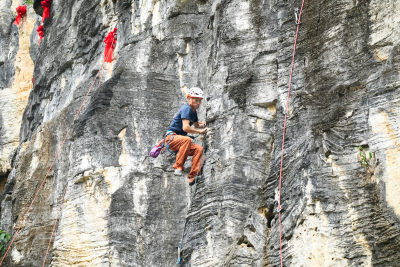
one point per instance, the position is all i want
(16, 68)
(341, 169)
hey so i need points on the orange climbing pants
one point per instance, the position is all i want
(185, 147)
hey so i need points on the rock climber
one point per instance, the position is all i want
(177, 139)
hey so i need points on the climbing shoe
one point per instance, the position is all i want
(192, 181)
(178, 172)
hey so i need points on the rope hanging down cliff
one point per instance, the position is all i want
(108, 54)
(191, 199)
(109, 51)
(284, 128)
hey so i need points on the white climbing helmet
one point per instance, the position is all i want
(195, 92)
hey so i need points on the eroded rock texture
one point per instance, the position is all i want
(16, 69)
(341, 181)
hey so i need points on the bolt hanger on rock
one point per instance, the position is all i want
(297, 15)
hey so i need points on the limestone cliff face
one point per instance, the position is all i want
(341, 176)
(16, 69)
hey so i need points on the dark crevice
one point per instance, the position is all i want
(3, 180)
(268, 214)
(244, 242)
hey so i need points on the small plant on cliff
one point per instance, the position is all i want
(29, 2)
(363, 157)
(4, 238)
(368, 160)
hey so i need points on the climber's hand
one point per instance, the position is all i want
(202, 124)
(203, 131)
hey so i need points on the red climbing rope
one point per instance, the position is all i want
(21, 11)
(48, 171)
(283, 138)
(62, 198)
(54, 226)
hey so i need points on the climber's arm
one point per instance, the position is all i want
(200, 124)
(189, 129)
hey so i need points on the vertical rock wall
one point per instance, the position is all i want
(16, 70)
(340, 204)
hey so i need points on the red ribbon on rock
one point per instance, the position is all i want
(40, 32)
(110, 40)
(21, 10)
(46, 9)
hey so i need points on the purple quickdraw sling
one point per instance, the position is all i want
(155, 151)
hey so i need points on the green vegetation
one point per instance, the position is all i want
(4, 238)
(363, 157)
(29, 2)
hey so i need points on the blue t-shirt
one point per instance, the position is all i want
(185, 112)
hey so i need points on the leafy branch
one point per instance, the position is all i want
(4, 238)
(363, 157)
(368, 160)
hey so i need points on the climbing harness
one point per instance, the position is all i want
(284, 128)
(167, 147)
(46, 6)
(47, 173)
(193, 192)
(159, 148)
